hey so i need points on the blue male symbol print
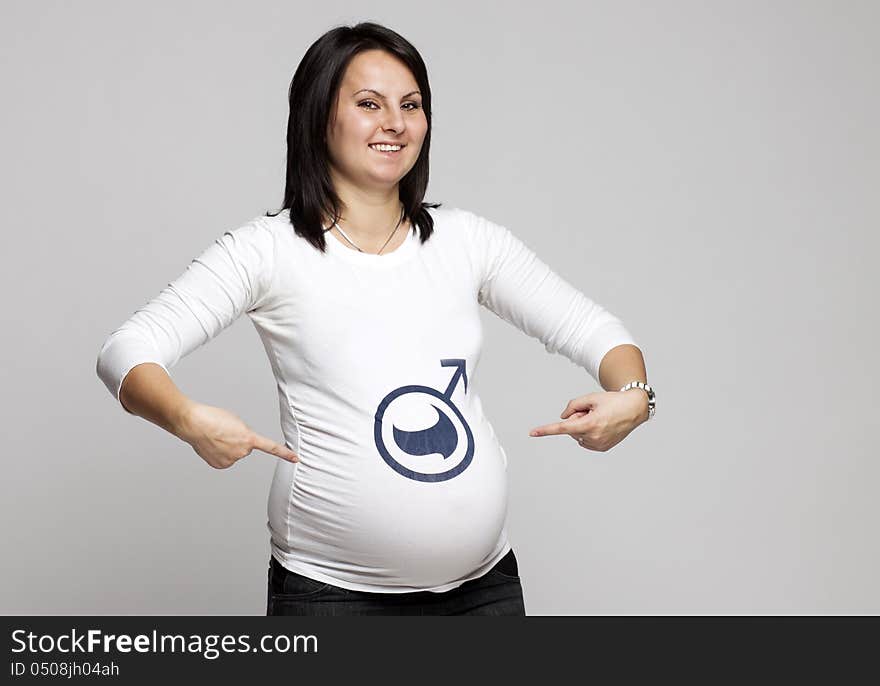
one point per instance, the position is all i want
(443, 438)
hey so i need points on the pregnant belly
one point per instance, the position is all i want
(363, 521)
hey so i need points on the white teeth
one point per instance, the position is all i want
(386, 148)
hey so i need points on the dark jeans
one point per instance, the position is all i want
(497, 592)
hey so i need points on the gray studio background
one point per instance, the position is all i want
(707, 171)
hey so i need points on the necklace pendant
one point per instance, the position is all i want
(338, 228)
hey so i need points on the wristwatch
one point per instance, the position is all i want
(645, 387)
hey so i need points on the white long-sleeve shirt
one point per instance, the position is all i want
(401, 484)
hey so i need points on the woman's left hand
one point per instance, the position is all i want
(599, 421)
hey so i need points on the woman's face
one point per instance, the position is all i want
(378, 101)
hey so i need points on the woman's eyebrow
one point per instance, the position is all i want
(370, 90)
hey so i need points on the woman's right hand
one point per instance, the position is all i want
(221, 439)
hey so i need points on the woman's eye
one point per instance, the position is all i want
(415, 105)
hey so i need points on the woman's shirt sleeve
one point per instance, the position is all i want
(521, 289)
(230, 277)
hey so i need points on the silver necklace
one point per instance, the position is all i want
(355, 244)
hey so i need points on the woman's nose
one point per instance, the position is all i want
(393, 122)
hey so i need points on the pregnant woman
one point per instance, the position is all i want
(390, 494)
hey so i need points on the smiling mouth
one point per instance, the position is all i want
(387, 152)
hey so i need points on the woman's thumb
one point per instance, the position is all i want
(582, 403)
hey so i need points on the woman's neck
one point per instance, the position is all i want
(369, 226)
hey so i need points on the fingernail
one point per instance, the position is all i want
(533, 433)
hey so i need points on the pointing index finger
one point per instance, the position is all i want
(551, 429)
(269, 446)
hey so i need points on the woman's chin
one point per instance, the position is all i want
(386, 180)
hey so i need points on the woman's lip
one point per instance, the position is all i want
(387, 152)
